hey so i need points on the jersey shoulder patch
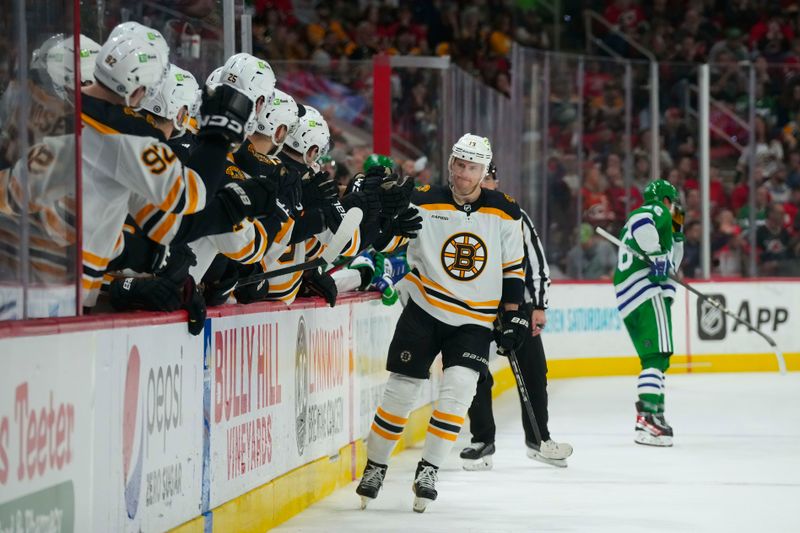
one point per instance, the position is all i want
(502, 202)
(234, 172)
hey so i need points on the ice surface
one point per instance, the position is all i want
(735, 466)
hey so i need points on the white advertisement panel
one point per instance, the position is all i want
(771, 306)
(46, 433)
(279, 394)
(149, 419)
(583, 320)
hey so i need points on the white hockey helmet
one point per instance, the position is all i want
(178, 90)
(473, 148)
(309, 131)
(127, 62)
(60, 64)
(251, 76)
(280, 110)
(151, 36)
(214, 78)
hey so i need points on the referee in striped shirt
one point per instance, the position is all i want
(533, 366)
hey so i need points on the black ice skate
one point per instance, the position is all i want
(371, 482)
(652, 429)
(550, 452)
(424, 485)
(478, 456)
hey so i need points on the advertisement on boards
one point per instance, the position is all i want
(769, 306)
(46, 434)
(279, 392)
(583, 321)
(150, 428)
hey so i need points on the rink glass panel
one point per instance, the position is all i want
(37, 164)
(194, 30)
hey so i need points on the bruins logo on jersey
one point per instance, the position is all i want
(235, 172)
(464, 256)
(423, 188)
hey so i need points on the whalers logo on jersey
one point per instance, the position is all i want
(464, 256)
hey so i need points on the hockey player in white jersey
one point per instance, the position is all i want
(247, 241)
(466, 263)
(61, 66)
(258, 155)
(296, 241)
(121, 155)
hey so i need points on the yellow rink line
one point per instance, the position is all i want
(282, 498)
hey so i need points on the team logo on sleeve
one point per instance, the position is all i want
(464, 256)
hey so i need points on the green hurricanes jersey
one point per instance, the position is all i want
(648, 230)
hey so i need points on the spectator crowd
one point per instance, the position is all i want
(732, 37)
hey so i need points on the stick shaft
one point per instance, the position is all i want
(250, 280)
(523, 392)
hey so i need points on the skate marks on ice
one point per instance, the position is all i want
(735, 466)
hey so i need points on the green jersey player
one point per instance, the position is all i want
(644, 299)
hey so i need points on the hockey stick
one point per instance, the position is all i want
(343, 234)
(778, 354)
(523, 392)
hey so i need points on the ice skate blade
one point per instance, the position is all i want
(646, 439)
(364, 502)
(420, 504)
(475, 465)
(560, 463)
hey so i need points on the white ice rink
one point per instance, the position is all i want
(735, 466)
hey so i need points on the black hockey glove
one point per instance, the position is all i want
(154, 294)
(248, 198)
(219, 280)
(407, 224)
(223, 114)
(178, 261)
(319, 190)
(255, 292)
(514, 327)
(395, 195)
(195, 305)
(217, 292)
(368, 200)
(496, 334)
(316, 283)
(290, 189)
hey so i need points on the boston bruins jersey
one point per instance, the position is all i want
(122, 154)
(467, 259)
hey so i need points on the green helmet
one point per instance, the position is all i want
(375, 160)
(657, 190)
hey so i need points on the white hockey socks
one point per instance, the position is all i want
(650, 388)
(391, 417)
(455, 397)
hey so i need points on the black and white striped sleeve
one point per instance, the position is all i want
(537, 272)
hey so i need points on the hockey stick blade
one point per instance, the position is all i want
(778, 353)
(343, 234)
(347, 227)
(523, 392)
